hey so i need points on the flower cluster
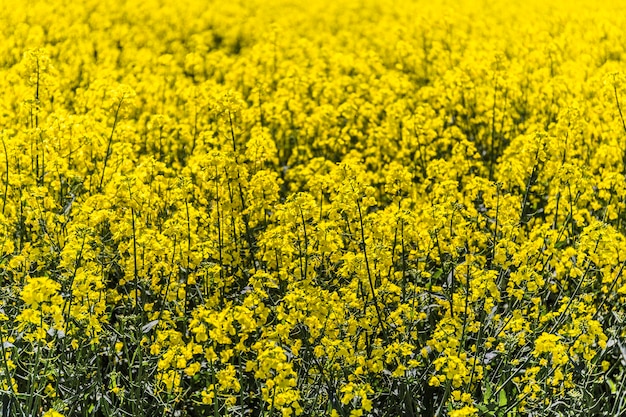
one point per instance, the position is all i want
(356, 208)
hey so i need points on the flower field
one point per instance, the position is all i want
(282, 208)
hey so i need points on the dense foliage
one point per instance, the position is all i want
(362, 207)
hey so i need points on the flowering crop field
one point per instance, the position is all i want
(323, 208)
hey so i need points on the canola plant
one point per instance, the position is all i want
(282, 208)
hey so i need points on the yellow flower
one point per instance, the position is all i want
(193, 369)
(52, 413)
(467, 411)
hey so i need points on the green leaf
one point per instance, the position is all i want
(488, 392)
(438, 273)
(561, 244)
(612, 385)
(486, 410)
(502, 401)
